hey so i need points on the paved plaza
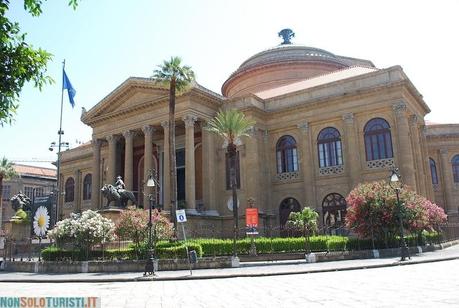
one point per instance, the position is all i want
(431, 284)
(420, 285)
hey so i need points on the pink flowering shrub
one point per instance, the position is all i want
(372, 210)
(133, 225)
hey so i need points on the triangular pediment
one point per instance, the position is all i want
(131, 94)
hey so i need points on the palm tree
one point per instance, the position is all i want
(6, 172)
(307, 220)
(177, 77)
(231, 125)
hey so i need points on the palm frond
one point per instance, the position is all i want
(230, 124)
(7, 169)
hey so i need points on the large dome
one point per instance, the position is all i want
(282, 65)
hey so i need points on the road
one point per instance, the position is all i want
(422, 285)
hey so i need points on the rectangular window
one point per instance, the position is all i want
(6, 195)
(39, 192)
(28, 191)
(295, 160)
(238, 175)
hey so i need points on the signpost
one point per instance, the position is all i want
(181, 218)
(251, 223)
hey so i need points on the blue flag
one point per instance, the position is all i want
(67, 85)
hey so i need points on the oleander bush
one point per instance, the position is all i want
(373, 212)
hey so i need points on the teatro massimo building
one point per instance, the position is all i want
(324, 123)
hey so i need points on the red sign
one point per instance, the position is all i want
(251, 217)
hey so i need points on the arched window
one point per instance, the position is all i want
(333, 211)
(329, 147)
(433, 171)
(287, 159)
(455, 163)
(378, 140)
(87, 186)
(69, 190)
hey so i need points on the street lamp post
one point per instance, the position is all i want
(396, 184)
(149, 266)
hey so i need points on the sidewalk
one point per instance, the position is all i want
(246, 269)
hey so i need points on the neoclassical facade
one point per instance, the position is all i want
(324, 123)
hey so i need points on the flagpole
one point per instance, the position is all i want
(60, 133)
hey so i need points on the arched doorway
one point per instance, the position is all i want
(287, 206)
(333, 213)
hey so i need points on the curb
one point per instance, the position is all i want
(225, 276)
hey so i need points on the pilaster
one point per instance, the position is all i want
(447, 180)
(405, 151)
(307, 164)
(352, 159)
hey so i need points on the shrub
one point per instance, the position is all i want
(84, 230)
(373, 212)
(174, 251)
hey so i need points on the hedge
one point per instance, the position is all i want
(219, 247)
(224, 247)
(173, 251)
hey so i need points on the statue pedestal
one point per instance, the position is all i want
(18, 231)
(111, 213)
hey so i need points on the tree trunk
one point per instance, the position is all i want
(232, 157)
(172, 162)
(1, 204)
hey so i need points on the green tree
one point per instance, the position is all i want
(305, 220)
(177, 78)
(231, 125)
(20, 61)
(6, 172)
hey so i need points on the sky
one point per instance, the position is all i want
(104, 42)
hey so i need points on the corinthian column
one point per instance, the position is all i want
(148, 159)
(166, 172)
(405, 151)
(190, 187)
(128, 159)
(111, 158)
(95, 193)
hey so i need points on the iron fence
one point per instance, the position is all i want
(268, 240)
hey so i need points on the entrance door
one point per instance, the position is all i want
(180, 159)
(287, 206)
(334, 211)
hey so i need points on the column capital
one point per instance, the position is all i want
(128, 134)
(304, 127)
(348, 118)
(444, 151)
(414, 119)
(165, 124)
(112, 138)
(189, 120)
(148, 129)
(399, 108)
(252, 131)
(96, 142)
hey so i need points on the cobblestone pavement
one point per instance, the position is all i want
(421, 285)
